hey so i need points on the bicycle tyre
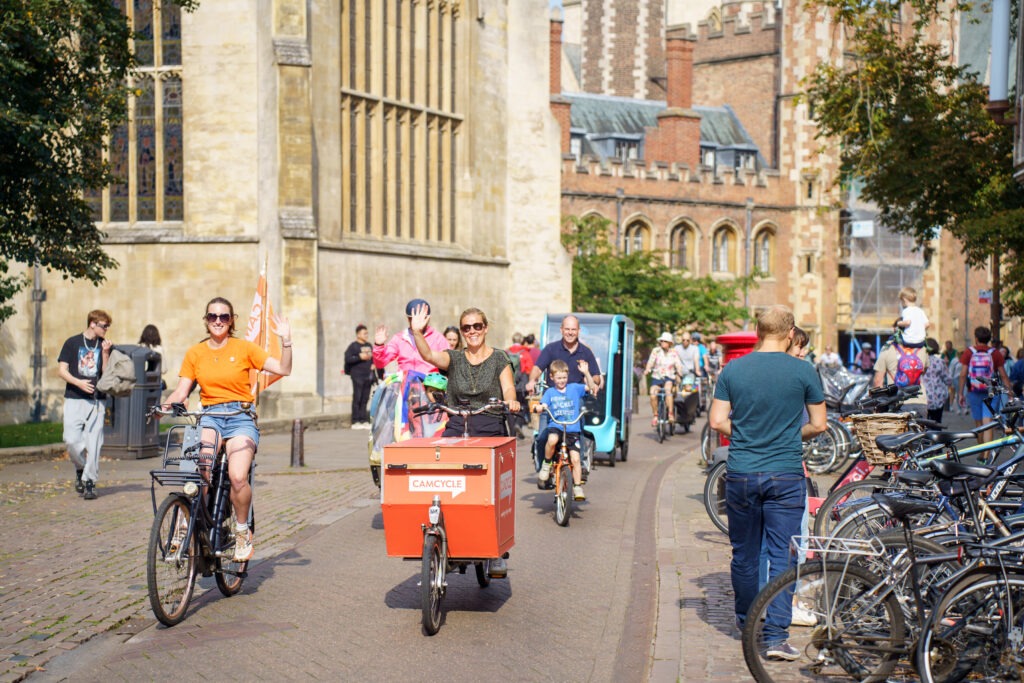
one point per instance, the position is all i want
(587, 450)
(821, 453)
(707, 444)
(563, 495)
(170, 584)
(431, 584)
(714, 497)
(662, 419)
(871, 520)
(483, 573)
(227, 573)
(968, 634)
(841, 500)
(842, 641)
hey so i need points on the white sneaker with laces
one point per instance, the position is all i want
(577, 493)
(244, 549)
(545, 471)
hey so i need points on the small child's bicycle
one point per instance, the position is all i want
(565, 491)
(193, 532)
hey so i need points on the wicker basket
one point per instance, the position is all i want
(867, 426)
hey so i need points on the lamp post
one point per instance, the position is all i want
(748, 224)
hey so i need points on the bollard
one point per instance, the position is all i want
(298, 455)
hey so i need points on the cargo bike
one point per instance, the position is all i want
(449, 502)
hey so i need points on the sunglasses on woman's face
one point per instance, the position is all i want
(214, 317)
(472, 326)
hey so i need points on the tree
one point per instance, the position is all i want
(63, 88)
(642, 287)
(912, 126)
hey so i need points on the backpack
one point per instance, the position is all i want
(980, 368)
(118, 375)
(908, 368)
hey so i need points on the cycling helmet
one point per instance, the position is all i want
(436, 380)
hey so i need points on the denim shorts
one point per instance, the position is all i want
(976, 400)
(228, 427)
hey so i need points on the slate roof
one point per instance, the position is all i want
(600, 115)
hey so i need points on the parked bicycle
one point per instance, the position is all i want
(193, 532)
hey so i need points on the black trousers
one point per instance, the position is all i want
(360, 399)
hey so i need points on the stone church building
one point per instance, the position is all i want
(368, 151)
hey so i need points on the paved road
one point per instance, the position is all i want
(324, 601)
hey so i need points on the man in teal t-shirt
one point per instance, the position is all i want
(759, 403)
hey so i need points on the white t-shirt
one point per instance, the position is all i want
(914, 333)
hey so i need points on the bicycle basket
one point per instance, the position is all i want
(867, 426)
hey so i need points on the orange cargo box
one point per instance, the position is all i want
(476, 480)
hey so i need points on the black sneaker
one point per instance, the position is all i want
(90, 491)
(79, 486)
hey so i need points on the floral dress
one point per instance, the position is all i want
(936, 383)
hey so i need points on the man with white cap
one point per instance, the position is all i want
(663, 366)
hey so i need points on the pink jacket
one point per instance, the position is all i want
(403, 348)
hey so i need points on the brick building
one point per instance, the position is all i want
(662, 166)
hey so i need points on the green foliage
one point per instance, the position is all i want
(913, 127)
(31, 434)
(63, 70)
(642, 287)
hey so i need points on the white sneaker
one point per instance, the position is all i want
(545, 471)
(244, 549)
(577, 492)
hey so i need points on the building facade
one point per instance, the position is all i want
(367, 152)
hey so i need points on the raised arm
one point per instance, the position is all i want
(282, 328)
(439, 359)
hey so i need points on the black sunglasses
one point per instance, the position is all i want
(102, 326)
(472, 326)
(223, 317)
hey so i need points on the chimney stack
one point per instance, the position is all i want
(679, 64)
(678, 135)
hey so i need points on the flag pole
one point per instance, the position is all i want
(263, 325)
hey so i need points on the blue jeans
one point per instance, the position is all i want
(768, 506)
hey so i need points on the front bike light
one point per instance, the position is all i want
(191, 489)
(434, 513)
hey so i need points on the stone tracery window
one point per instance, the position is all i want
(146, 153)
(723, 251)
(401, 118)
(683, 252)
(637, 238)
(764, 251)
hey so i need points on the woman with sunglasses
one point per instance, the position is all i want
(220, 364)
(476, 374)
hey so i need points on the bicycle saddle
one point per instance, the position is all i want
(914, 477)
(901, 507)
(894, 442)
(947, 438)
(949, 469)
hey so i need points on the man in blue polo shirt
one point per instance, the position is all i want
(571, 350)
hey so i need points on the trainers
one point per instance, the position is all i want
(79, 486)
(90, 491)
(783, 651)
(244, 549)
(577, 493)
(179, 536)
(545, 471)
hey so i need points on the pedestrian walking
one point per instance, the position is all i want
(80, 364)
(759, 404)
(936, 381)
(150, 338)
(359, 368)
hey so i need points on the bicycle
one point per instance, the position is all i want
(193, 530)
(563, 484)
(664, 426)
(436, 558)
(863, 604)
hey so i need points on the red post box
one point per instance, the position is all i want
(734, 345)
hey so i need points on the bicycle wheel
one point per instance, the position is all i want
(229, 574)
(431, 584)
(847, 497)
(714, 497)
(483, 573)
(841, 629)
(870, 520)
(708, 441)
(970, 632)
(563, 495)
(662, 419)
(170, 566)
(821, 453)
(587, 450)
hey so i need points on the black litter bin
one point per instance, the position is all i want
(126, 434)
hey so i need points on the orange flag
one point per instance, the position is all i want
(258, 332)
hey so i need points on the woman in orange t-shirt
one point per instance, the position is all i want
(220, 365)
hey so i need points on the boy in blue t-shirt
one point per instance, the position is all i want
(564, 401)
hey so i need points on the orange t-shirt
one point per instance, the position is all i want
(223, 374)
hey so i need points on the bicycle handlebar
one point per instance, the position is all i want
(180, 410)
(559, 422)
(460, 412)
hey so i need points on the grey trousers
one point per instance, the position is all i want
(83, 434)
